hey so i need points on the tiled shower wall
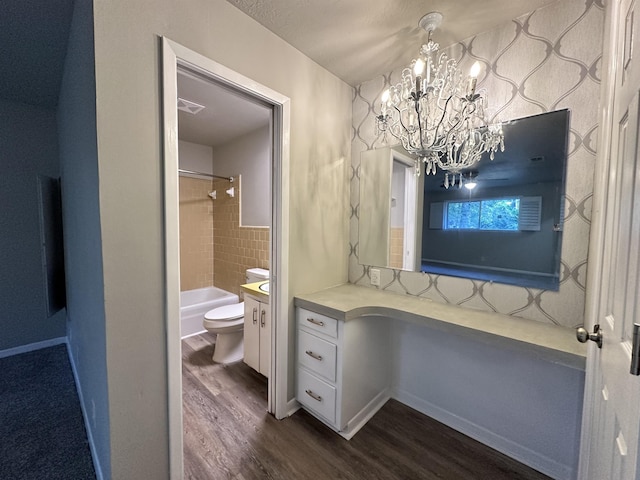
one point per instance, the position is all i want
(546, 60)
(396, 246)
(214, 249)
(235, 248)
(196, 233)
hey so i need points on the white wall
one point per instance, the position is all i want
(82, 233)
(28, 148)
(195, 157)
(250, 157)
(129, 123)
(524, 406)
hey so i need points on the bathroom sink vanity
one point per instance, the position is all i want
(257, 327)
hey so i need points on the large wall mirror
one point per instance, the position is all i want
(503, 223)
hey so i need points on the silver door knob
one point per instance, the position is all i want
(583, 335)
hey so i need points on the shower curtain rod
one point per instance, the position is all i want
(191, 172)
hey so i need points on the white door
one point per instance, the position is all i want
(611, 424)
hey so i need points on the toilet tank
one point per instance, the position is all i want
(257, 275)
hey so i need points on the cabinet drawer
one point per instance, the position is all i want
(317, 322)
(317, 355)
(316, 395)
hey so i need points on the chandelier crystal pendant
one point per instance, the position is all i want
(437, 114)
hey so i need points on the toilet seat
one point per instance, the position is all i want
(226, 312)
(228, 317)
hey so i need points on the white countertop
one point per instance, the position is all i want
(551, 342)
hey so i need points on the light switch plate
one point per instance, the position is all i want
(375, 276)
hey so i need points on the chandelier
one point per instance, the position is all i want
(437, 114)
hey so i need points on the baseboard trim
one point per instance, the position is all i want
(9, 352)
(193, 334)
(533, 459)
(292, 407)
(85, 416)
(364, 415)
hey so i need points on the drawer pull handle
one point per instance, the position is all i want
(255, 315)
(320, 323)
(314, 355)
(262, 318)
(315, 396)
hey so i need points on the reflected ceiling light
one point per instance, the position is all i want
(190, 107)
(469, 180)
(437, 113)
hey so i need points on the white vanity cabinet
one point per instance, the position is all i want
(342, 368)
(257, 334)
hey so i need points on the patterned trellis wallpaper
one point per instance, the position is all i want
(546, 60)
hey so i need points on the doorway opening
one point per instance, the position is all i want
(190, 81)
(404, 251)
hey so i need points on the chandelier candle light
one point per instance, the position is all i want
(437, 114)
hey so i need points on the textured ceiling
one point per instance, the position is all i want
(354, 39)
(359, 39)
(33, 36)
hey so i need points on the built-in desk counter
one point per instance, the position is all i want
(551, 342)
(514, 384)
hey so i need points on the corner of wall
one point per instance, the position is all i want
(82, 234)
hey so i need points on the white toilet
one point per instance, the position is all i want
(227, 323)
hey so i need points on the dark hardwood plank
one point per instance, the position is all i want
(229, 435)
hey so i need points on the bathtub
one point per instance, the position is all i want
(195, 303)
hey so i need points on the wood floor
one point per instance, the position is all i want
(229, 435)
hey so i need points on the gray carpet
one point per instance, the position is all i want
(42, 434)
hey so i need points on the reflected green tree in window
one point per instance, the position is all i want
(497, 214)
(500, 214)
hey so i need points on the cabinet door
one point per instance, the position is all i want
(265, 339)
(252, 333)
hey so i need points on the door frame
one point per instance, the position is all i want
(411, 209)
(598, 233)
(173, 56)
